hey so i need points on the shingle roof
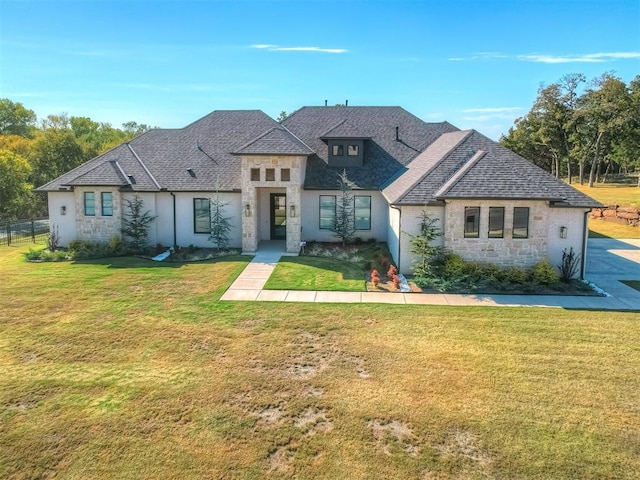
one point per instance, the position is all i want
(477, 167)
(383, 155)
(423, 165)
(277, 141)
(425, 162)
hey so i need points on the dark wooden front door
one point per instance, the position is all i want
(278, 216)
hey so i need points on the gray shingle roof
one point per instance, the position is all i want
(477, 167)
(384, 156)
(426, 162)
(277, 141)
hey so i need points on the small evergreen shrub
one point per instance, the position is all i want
(544, 273)
(453, 266)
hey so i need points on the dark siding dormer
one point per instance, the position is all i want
(345, 152)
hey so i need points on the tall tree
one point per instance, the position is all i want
(15, 189)
(605, 110)
(15, 119)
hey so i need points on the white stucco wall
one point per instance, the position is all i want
(410, 225)
(393, 233)
(185, 234)
(573, 219)
(311, 216)
(66, 223)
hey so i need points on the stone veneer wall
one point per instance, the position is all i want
(505, 251)
(292, 188)
(98, 228)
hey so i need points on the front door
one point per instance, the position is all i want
(278, 213)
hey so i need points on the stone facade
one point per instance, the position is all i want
(504, 251)
(98, 228)
(270, 169)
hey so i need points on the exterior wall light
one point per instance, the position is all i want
(563, 232)
(292, 211)
(63, 210)
(247, 210)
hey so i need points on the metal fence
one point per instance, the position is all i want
(21, 232)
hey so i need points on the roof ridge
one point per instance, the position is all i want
(297, 138)
(122, 172)
(144, 167)
(459, 174)
(443, 157)
(267, 132)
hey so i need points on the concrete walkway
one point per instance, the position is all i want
(249, 285)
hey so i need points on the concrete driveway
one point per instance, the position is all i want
(610, 260)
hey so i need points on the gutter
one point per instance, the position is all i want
(175, 242)
(585, 234)
(399, 231)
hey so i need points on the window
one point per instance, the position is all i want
(520, 222)
(362, 212)
(89, 204)
(338, 150)
(285, 175)
(327, 211)
(471, 222)
(352, 150)
(496, 222)
(201, 215)
(270, 174)
(255, 174)
(107, 204)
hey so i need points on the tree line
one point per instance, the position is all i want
(586, 128)
(34, 152)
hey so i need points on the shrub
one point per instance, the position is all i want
(453, 266)
(493, 273)
(396, 280)
(544, 273)
(116, 245)
(53, 239)
(516, 275)
(34, 255)
(569, 265)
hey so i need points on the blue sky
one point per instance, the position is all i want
(477, 64)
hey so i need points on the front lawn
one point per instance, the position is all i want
(622, 194)
(125, 368)
(316, 273)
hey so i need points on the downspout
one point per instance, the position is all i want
(399, 231)
(585, 234)
(175, 242)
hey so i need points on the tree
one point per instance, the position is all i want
(133, 129)
(283, 115)
(136, 223)
(15, 190)
(422, 245)
(220, 225)
(55, 151)
(344, 222)
(15, 119)
(606, 110)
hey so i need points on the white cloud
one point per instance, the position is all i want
(276, 48)
(584, 58)
(554, 59)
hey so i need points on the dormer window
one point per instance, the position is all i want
(353, 150)
(338, 150)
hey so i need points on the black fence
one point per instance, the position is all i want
(22, 232)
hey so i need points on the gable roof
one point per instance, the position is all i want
(470, 165)
(383, 154)
(161, 159)
(277, 141)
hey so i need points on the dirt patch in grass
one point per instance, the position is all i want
(392, 434)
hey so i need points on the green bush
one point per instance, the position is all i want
(516, 275)
(493, 273)
(453, 266)
(544, 273)
(34, 255)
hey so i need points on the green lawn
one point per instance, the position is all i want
(130, 369)
(316, 273)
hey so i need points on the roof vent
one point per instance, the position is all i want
(325, 102)
(191, 172)
(132, 180)
(346, 103)
(397, 134)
